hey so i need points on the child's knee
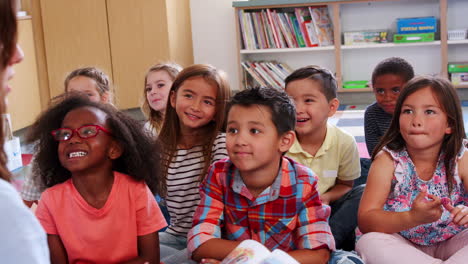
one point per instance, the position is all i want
(372, 239)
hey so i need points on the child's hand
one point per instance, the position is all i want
(325, 199)
(459, 213)
(426, 211)
(209, 261)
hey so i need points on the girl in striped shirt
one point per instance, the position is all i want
(192, 139)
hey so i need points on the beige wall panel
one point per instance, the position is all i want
(24, 103)
(180, 31)
(75, 35)
(139, 38)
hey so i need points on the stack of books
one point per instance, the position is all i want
(458, 72)
(269, 28)
(265, 74)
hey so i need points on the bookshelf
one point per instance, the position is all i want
(356, 62)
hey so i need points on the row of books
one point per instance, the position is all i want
(269, 28)
(265, 73)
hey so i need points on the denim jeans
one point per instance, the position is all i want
(162, 206)
(343, 219)
(365, 165)
(344, 257)
(173, 249)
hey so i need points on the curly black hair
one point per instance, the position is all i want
(141, 153)
(393, 65)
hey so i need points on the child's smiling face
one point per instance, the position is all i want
(195, 103)
(87, 155)
(312, 107)
(158, 85)
(254, 145)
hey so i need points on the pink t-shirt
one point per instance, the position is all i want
(106, 235)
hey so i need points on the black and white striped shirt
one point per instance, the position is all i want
(183, 181)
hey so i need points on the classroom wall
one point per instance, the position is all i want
(214, 36)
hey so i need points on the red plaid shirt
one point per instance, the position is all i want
(287, 215)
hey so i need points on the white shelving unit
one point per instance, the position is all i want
(288, 50)
(391, 45)
(357, 62)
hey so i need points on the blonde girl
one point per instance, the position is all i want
(158, 82)
(191, 138)
(415, 201)
(93, 83)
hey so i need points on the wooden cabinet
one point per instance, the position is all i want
(23, 101)
(75, 35)
(138, 38)
(357, 62)
(123, 38)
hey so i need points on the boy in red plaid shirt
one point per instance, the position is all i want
(258, 193)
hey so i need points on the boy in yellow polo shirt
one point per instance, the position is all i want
(330, 152)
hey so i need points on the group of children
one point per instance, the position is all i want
(262, 165)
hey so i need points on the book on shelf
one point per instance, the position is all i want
(272, 77)
(265, 73)
(252, 252)
(304, 19)
(274, 29)
(253, 74)
(294, 28)
(283, 30)
(297, 31)
(242, 21)
(323, 25)
(277, 26)
(268, 30)
(253, 34)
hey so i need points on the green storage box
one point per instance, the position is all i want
(458, 67)
(355, 84)
(417, 37)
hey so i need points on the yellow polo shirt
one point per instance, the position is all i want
(338, 157)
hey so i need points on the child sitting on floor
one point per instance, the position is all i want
(97, 164)
(258, 193)
(330, 152)
(93, 83)
(414, 208)
(388, 78)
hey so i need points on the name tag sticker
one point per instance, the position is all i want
(330, 173)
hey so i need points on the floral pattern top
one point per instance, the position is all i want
(406, 185)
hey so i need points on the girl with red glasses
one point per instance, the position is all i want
(101, 171)
(22, 238)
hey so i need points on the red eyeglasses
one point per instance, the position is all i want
(84, 132)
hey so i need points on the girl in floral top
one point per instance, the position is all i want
(414, 208)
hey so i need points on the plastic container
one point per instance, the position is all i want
(356, 84)
(457, 34)
(409, 38)
(457, 67)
